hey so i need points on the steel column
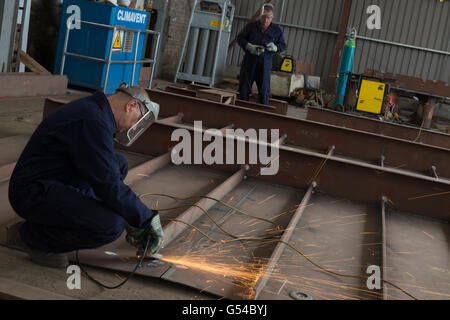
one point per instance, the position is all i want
(276, 254)
(174, 228)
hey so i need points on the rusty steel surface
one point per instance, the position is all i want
(438, 89)
(278, 251)
(174, 228)
(384, 265)
(147, 168)
(428, 137)
(307, 134)
(340, 177)
(275, 106)
(344, 236)
(30, 84)
(280, 106)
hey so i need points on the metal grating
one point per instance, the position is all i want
(129, 39)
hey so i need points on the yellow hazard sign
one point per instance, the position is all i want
(216, 24)
(118, 40)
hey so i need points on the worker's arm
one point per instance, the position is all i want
(94, 157)
(280, 43)
(123, 165)
(244, 36)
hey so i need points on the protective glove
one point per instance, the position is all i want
(256, 50)
(139, 237)
(157, 234)
(271, 47)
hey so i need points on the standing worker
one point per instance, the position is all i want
(260, 40)
(68, 182)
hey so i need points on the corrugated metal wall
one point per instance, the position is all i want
(422, 27)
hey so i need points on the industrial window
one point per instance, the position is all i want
(129, 38)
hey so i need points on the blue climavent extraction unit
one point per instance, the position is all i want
(96, 42)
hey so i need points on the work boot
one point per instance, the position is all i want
(52, 260)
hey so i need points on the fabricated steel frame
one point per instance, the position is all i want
(191, 215)
(409, 191)
(296, 170)
(422, 136)
(308, 134)
(303, 134)
(109, 61)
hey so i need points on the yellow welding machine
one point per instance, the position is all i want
(287, 65)
(371, 96)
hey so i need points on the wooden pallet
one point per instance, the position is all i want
(217, 96)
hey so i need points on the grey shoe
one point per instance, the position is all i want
(53, 260)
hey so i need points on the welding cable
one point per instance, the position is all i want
(324, 161)
(205, 212)
(270, 240)
(420, 131)
(126, 279)
(206, 197)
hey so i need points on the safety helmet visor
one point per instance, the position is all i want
(149, 114)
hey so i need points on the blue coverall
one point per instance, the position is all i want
(258, 67)
(68, 182)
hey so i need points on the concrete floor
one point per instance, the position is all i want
(15, 266)
(21, 117)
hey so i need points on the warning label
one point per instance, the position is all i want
(118, 39)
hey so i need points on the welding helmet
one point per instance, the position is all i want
(149, 114)
(267, 7)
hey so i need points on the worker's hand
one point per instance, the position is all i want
(256, 50)
(139, 237)
(271, 47)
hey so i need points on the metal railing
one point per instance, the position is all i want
(109, 61)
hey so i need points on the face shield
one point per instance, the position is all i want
(267, 10)
(149, 114)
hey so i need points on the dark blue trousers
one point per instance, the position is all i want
(259, 70)
(61, 219)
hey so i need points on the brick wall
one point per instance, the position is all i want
(179, 12)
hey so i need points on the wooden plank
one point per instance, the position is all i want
(28, 84)
(217, 96)
(32, 64)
